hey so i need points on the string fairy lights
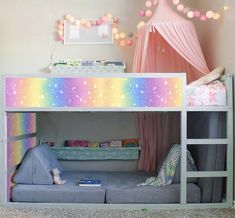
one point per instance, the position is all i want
(127, 39)
(202, 15)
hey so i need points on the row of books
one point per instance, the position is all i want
(105, 144)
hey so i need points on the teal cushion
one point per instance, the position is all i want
(36, 167)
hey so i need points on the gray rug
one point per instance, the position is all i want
(36, 213)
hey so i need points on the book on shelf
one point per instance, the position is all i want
(89, 183)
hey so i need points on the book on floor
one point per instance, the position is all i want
(89, 182)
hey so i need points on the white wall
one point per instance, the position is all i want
(91, 126)
(217, 37)
(27, 32)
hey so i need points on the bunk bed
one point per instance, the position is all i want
(26, 95)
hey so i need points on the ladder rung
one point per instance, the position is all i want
(207, 141)
(207, 108)
(199, 174)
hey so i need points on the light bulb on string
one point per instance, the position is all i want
(180, 7)
(190, 14)
(209, 14)
(175, 2)
(148, 4)
(216, 16)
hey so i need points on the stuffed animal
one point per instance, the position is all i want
(56, 177)
(210, 77)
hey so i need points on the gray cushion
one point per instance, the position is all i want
(67, 193)
(152, 195)
(117, 187)
(122, 188)
(36, 167)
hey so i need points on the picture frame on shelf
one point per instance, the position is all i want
(79, 34)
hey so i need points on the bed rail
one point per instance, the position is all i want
(95, 92)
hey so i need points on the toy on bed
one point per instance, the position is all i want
(56, 177)
(210, 77)
(208, 90)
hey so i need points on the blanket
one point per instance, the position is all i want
(167, 171)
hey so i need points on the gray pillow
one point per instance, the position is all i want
(176, 178)
(36, 167)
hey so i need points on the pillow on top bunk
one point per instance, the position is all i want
(210, 77)
(36, 167)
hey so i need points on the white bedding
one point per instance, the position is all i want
(213, 94)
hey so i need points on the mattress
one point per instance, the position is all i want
(213, 94)
(117, 187)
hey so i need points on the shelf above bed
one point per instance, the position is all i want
(78, 153)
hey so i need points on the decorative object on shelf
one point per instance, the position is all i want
(97, 31)
(130, 142)
(87, 66)
(75, 31)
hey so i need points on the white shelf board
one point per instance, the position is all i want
(93, 109)
(208, 108)
(207, 141)
(207, 174)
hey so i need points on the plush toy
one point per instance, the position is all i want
(56, 177)
(210, 77)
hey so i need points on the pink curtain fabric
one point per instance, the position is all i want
(184, 40)
(154, 54)
(156, 138)
(168, 43)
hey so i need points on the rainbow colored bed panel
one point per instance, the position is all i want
(17, 149)
(19, 128)
(20, 124)
(93, 92)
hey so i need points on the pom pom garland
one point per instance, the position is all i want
(125, 39)
(192, 13)
(148, 13)
(148, 4)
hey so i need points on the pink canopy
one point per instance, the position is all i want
(169, 43)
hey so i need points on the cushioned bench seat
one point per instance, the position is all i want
(67, 193)
(151, 195)
(117, 187)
